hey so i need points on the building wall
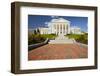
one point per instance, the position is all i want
(44, 30)
(59, 27)
(76, 31)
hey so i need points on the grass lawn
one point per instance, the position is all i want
(50, 36)
(82, 38)
(38, 38)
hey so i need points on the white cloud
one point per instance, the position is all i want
(46, 23)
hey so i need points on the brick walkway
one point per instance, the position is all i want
(58, 51)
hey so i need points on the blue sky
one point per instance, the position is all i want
(35, 21)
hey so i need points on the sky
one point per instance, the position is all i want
(35, 21)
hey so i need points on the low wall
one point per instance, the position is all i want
(33, 46)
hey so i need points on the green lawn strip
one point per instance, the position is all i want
(38, 38)
(82, 38)
(50, 36)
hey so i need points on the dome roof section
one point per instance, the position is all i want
(60, 20)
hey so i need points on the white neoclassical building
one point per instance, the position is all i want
(75, 30)
(59, 26)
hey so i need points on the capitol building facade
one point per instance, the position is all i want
(59, 26)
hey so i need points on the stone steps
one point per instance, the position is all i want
(58, 38)
(62, 40)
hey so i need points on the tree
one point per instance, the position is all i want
(35, 32)
(38, 31)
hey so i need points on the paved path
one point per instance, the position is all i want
(58, 51)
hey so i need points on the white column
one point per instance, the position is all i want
(62, 29)
(59, 28)
(56, 29)
(65, 29)
(51, 25)
(51, 28)
(68, 29)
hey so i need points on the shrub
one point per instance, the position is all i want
(38, 38)
(35, 38)
(82, 38)
(50, 36)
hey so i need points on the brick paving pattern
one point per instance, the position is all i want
(58, 51)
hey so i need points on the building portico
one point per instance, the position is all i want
(60, 27)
